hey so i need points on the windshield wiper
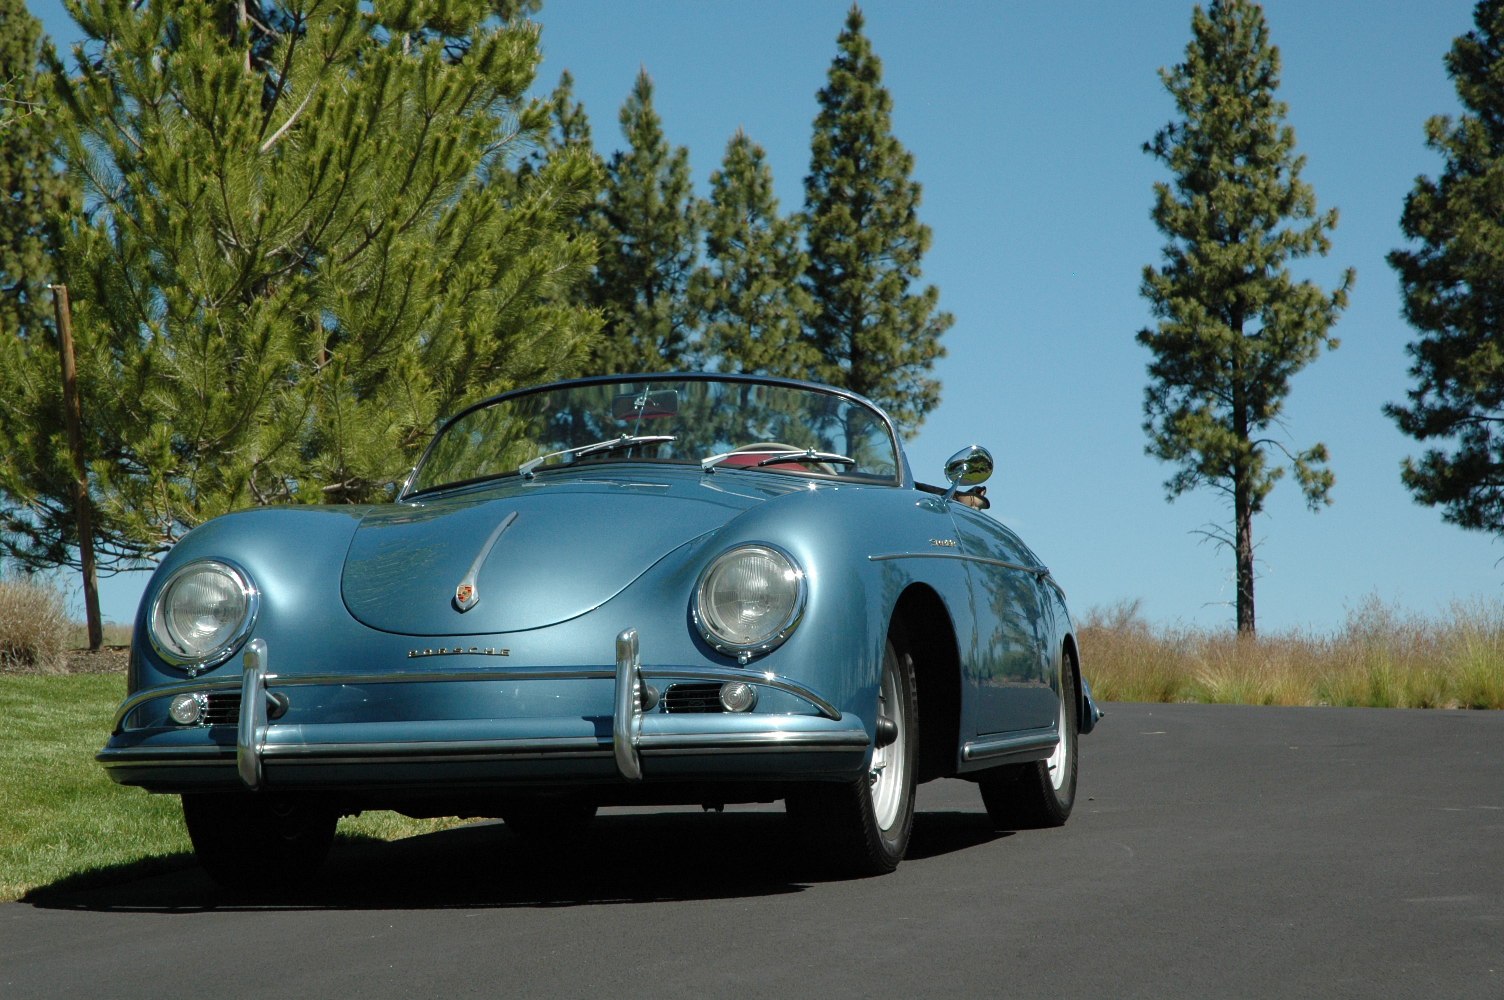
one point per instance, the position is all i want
(525, 470)
(777, 455)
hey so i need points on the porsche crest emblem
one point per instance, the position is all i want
(464, 596)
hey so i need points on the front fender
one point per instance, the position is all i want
(276, 546)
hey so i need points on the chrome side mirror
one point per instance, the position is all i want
(967, 467)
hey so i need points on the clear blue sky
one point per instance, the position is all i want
(1026, 121)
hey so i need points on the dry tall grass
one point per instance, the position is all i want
(34, 626)
(1381, 657)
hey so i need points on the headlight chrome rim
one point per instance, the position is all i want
(161, 635)
(769, 639)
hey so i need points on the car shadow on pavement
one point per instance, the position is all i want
(937, 834)
(620, 858)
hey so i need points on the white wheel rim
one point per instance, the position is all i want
(887, 777)
(1059, 762)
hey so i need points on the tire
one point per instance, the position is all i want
(548, 820)
(1040, 794)
(257, 841)
(863, 826)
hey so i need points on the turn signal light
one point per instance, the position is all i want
(738, 696)
(189, 709)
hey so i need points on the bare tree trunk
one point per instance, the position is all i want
(1243, 540)
(1242, 504)
(74, 422)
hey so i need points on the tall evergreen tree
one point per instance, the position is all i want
(1453, 285)
(875, 336)
(569, 135)
(33, 192)
(647, 229)
(1234, 327)
(568, 131)
(291, 265)
(748, 294)
(34, 197)
(571, 126)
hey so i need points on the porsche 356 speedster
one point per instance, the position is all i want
(690, 588)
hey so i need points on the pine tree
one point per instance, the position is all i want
(34, 197)
(568, 131)
(748, 294)
(1453, 286)
(571, 126)
(569, 135)
(292, 266)
(647, 229)
(1234, 327)
(564, 139)
(874, 335)
(32, 191)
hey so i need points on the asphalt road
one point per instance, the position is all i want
(1215, 852)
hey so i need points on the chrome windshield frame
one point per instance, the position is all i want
(902, 475)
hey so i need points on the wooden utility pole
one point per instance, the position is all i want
(74, 420)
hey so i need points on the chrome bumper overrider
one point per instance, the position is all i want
(627, 742)
(250, 733)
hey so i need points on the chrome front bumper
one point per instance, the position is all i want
(475, 752)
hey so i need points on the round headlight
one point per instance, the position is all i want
(749, 599)
(202, 613)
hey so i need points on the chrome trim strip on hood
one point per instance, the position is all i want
(466, 596)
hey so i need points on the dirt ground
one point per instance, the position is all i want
(108, 660)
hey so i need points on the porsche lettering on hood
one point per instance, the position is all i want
(519, 560)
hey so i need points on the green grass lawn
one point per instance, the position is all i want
(62, 818)
(59, 814)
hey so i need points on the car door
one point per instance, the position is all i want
(1011, 664)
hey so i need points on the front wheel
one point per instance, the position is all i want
(254, 841)
(864, 825)
(1040, 794)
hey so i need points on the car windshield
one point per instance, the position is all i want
(717, 425)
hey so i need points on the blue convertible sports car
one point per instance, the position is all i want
(690, 588)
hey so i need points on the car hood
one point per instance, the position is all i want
(535, 552)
